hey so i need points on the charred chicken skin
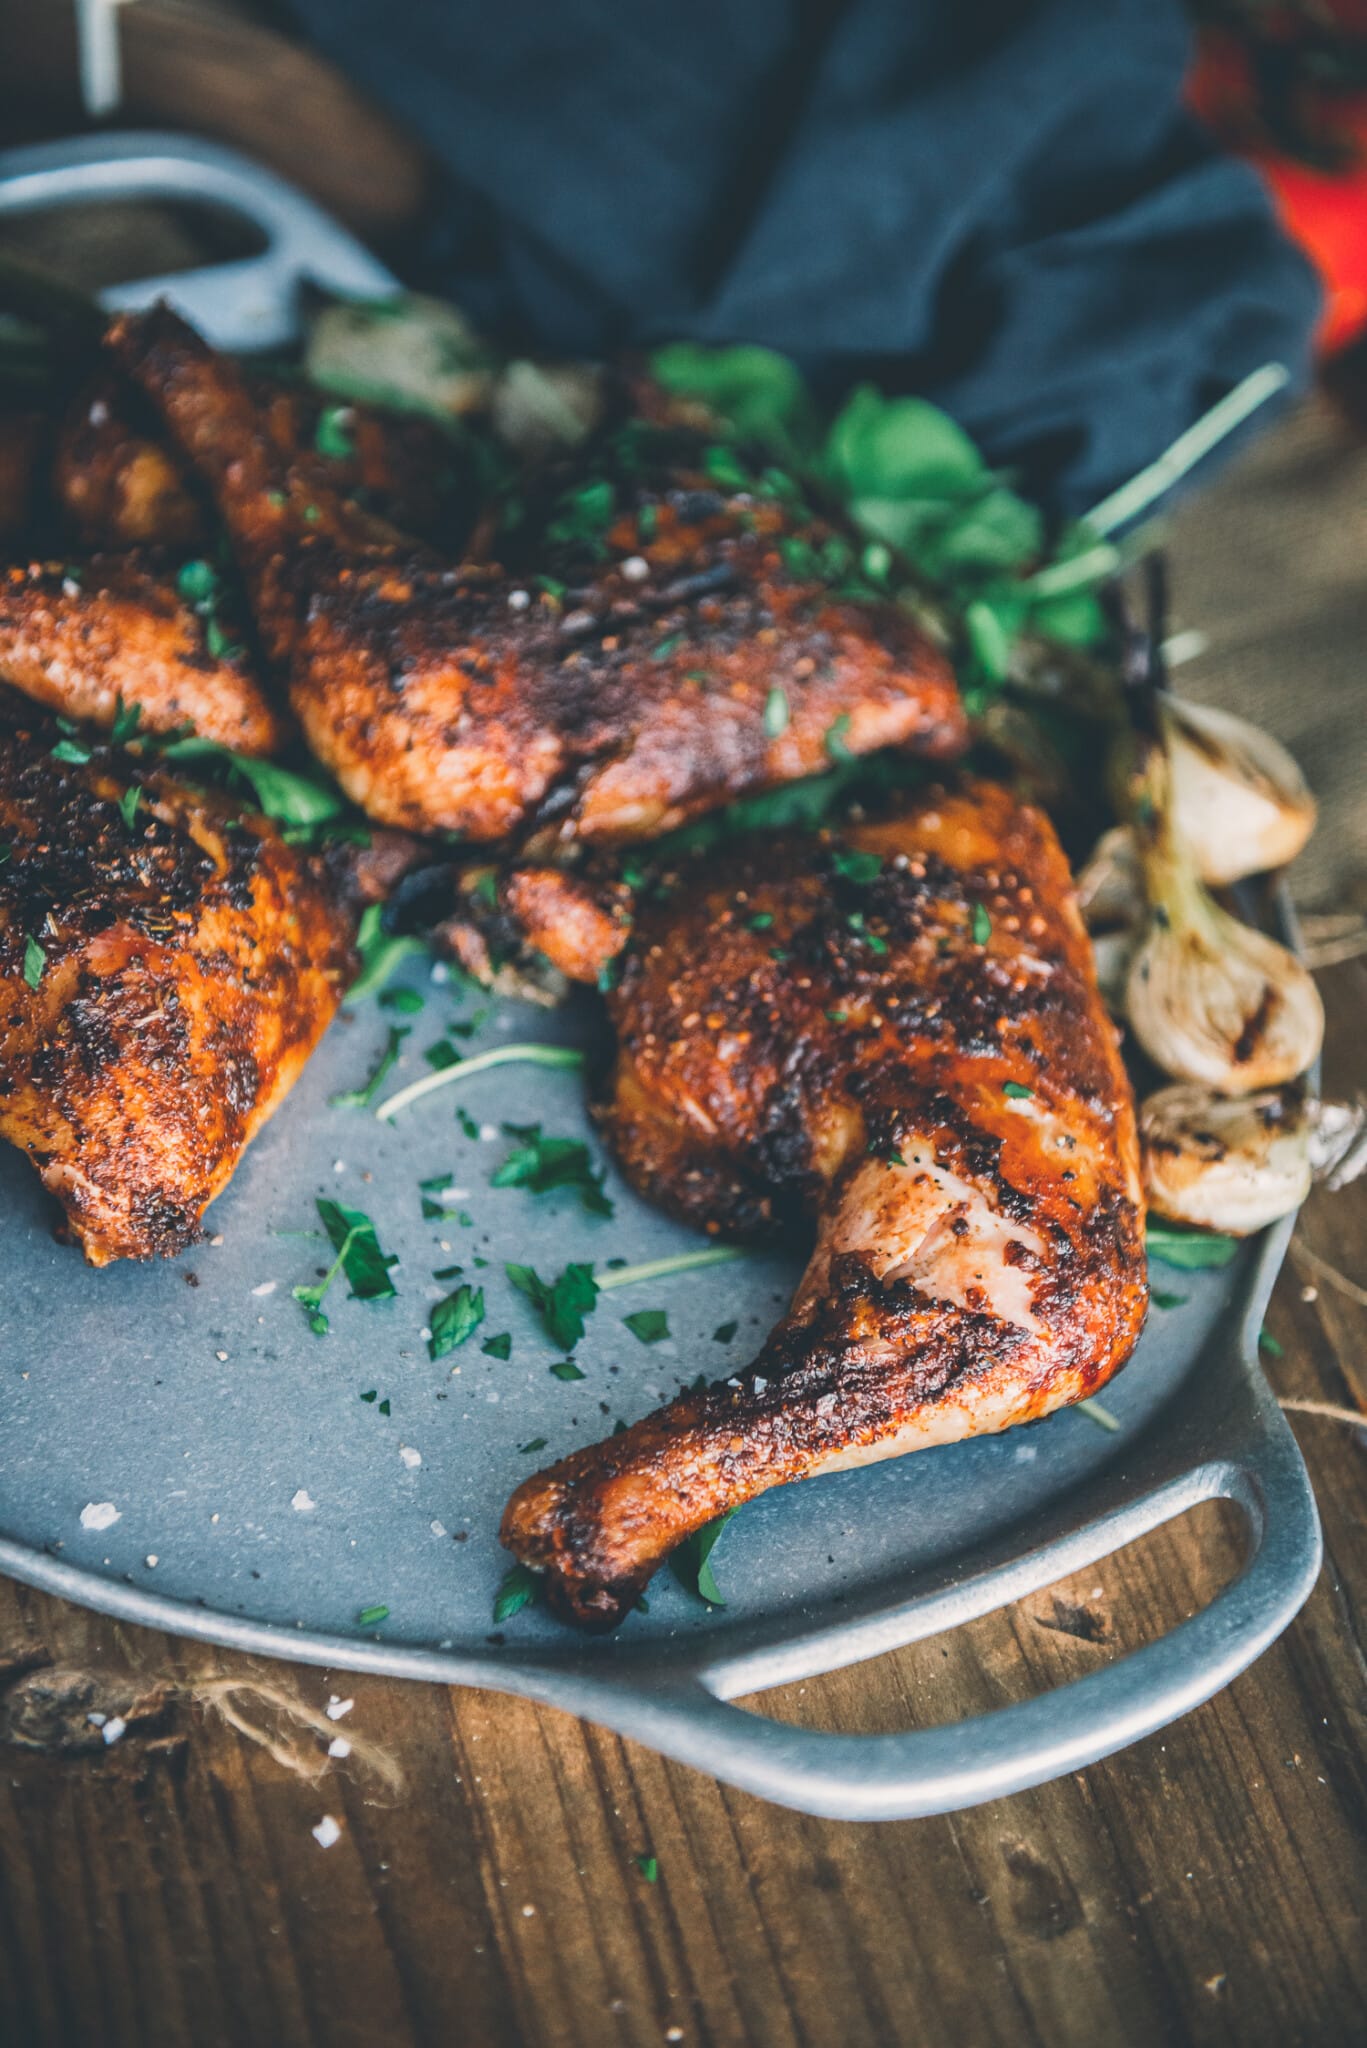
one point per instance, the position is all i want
(899, 1036)
(166, 968)
(677, 645)
(115, 632)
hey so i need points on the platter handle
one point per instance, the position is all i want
(935, 1770)
(244, 304)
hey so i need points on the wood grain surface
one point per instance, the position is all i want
(1205, 1886)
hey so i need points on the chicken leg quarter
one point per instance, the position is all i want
(896, 1032)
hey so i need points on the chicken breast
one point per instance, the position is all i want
(894, 1034)
(85, 640)
(167, 964)
(669, 641)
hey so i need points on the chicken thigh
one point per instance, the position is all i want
(893, 1033)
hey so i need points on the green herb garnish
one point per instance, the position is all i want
(352, 1236)
(128, 805)
(855, 866)
(35, 960)
(362, 1097)
(648, 1866)
(1189, 1250)
(537, 1443)
(837, 739)
(499, 1347)
(454, 1320)
(73, 752)
(368, 1616)
(542, 1164)
(1162, 1300)
(980, 925)
(776, 712)
(1017, 1091)
(691, 1563)
(518, 1588)
(648, 1324)
(724, 1332)
(333, 435)
(562, 1304)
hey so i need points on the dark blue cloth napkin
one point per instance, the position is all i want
(997, 203)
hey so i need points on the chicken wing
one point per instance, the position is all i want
(896, 1032)
(83, 640)
(680, 642)
(166, 967)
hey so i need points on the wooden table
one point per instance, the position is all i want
(1207, 1885)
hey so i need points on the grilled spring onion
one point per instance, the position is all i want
(1222, 1163)
(1239, 801)
(1211, 1000)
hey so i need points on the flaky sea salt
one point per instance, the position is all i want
(303, 1502)
(327, 1832)
(99, 1514)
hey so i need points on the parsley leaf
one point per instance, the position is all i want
(35, 960)
(74, 752)
(649, 1867)
(368, 1616)
(352, 1235)
(127, 719)
(981, 925)
(128, 805)
(1162, 1300)
(837, 743)
(563, 1304)
(776, 713)
(724, 1332)
(380, 953)
(691, 1563)
(454, 1320)
(517, 1589)
(541, 1164)
(501, 1347)
(566, 1369)
(333, 435)
(855, 866)
(649, 1324)
(1017, 1091)
(536, 1443)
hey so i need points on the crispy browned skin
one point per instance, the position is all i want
(979, 1257)
(119, 486)
(189, 963)
(82, 639)
(685, 650)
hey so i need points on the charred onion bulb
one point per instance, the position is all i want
(1239, 802)
(1225, 1164)
(1210, 1000)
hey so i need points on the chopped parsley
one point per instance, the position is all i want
(724, 1332)
(1270, 1345)
(837, 744)
(368, 1616)
(359, 1256)
(980, 925)
(1018, 1091)
(537, 1443)
(518, 1588)
(856, 866)
(666, 647)
(776, 713)
(35, 960)
(562, 1304)
(837, 1016)
(1162, 1300)
(127, 719)
(498, 1347)
(610, 973)
(566, 1369)
(406, 1001)
(454, 1320)
(884, 1148)
(691, 1563)
(466, 1121)
(128, 805)
(649, 1866)
(380, 953)
(542, 1164)
(71, 751)
(333, 435)
(858, 925)
(362, 1097)
(648, 1324)
(441, 1055)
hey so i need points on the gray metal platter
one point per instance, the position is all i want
(263, 1502)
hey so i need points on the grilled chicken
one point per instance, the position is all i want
(678, 645)
(897, 1035)
(118, 486)
(166, 967)
(114, 631)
